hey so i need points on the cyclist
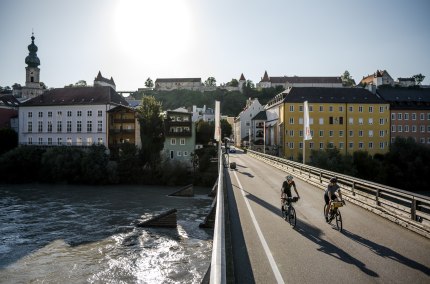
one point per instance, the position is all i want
(330, 194)
(286, 188)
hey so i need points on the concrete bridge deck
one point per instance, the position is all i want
(265, 249)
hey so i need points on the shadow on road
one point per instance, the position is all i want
(385, 252)
(314, 234)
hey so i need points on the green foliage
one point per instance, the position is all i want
(21, 165)
(226, 129)
(129, 164)
(204, 132)
(149, 83)
(8, 140)
(233, 83)
(61, 164)
(151, 131)
(347, 79)
(419, 78)
(174, 173)
(94, 165)
(210, 82)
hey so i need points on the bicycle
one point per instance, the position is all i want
(334, 213)
(288, 212)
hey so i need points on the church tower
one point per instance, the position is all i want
(33, 85)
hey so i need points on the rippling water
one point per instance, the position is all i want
(78, 234)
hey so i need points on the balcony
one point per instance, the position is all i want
(178, 123)
(179, 134)
(123, 120)
(116, 130)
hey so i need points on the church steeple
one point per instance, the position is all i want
(32, 60)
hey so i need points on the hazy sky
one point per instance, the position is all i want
(134, 40)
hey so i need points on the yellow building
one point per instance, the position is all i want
(349, 119)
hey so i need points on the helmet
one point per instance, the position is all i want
(289, 177)
(333, 180)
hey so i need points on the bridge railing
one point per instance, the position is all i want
(218, 269)
(405, 208)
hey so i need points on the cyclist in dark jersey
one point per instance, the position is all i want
(330, 194)
(286, 187)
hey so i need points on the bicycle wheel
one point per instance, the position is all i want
(292, 217)
(283, 211)
(339, 220)
(325, 208)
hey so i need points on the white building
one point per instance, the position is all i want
(204, 113)
(68, 116)
(169, 84)
(299, 81)
(242, 123)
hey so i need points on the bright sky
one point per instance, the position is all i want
(134, 40)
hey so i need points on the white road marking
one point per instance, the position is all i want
(272, 262)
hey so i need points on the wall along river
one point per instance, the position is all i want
(84, 234)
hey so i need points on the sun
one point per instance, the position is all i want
(153, 28)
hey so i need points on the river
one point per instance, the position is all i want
(84, 234)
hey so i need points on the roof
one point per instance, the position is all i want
(100, 78)
(182, 80)
(260, 116)
(306, 80)
(78, 96)
(331, 95)
(8, 100)
(242, 78)
(405, 95)
(121, 108)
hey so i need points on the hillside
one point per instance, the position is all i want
(232, 103)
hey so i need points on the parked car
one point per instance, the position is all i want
(232, 150)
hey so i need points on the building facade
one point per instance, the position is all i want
(298, 81)
(123, 126)
(410, 113)
(242, 124)
(349, 119)
(68, 116)
(180, 134)
(101, 81)
(169, 84)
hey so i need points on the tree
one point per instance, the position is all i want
(249, 84)
(418, 79)
(226, 129)
(347, 79)
(8, 140)
(204, 132)
(149, 83)
(151, 131)
(233, 83)
(210, 82)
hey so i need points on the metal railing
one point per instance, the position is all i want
(218, 262)
(408, 209)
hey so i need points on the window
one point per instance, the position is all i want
(40, 126)
(370, 133)
(99, 113)
(40, 114)
(422, 116)
(340, 133)
(330, 120)
(422, 140)
(301, 145)
(393, 116)
(171, 154)
(89, 126)
(381, 109)
(99, 126)
(399, 128)
(330, 108)
(381, 121)
(351, 133)
(173, 141)
(182, 141)
(393, 128)
(321, 132)
(406, 116)
(311, 145)
(291, 120)
(69, 141)
(100, 141)
(49, 113)
(59, 126)
(381, 145)
(360, 109)
(301, 108)
(185, 153)
(414, 128)
(351, 120)
(78, 126)
(291, 145)
(40, 141)
(321, 121)
(292, 133)
(30, 126)
(311, 108)
(360, 133)
(79, 141)
(341, 120)
(30, 140)
(370, 121)
(59, 141)
(301, 132)
(399, 116)
(340, 145)
(360, 121)
(341, 108)
(330, 145)
(291, 108)
(49, 126)
(381, 133)
(321, 145)
(414, 116)
(360, 145)
(406, 128)
(49, 140)
(370, 109)
(321, 108)
(330, 133)
(89, 113)
(59, 113)
(69, 126)
(89, 141)
(30, 114)
(370, 145)
(351, 145)
(69, 113)
(422, 128)
(79, 113)
(351, 109)
(312, 133)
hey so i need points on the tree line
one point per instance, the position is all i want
(406, 165)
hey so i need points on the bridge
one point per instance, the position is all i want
(385, 236)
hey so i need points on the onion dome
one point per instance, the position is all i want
(32, 60)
